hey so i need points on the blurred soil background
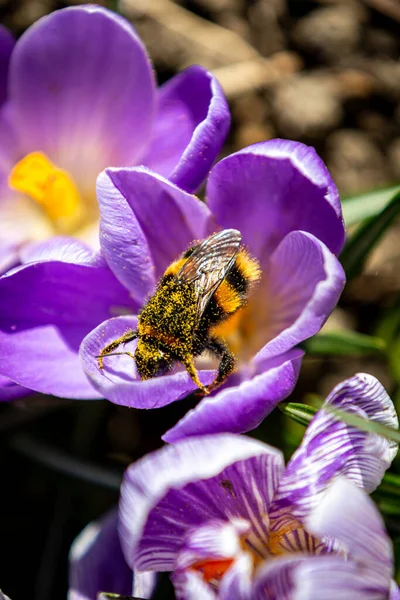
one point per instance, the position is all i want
(324, 72)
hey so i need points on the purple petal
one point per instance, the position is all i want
(65, 300)
(315, 578)
(236, 583)
(330, 448)
(394, 591)
(272, 188)
(346, 513)
(119, 381)
(96, 560)
(190, 127)
(214, 539)
(146, 223)
(241, 408)
(10, 390)
(190, 585)
(64, 249)
(144, 583)
(210, 478)
(87, 104)
(302, 286)
(7, 43)
(9, 256)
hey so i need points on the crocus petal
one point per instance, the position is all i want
(214, 539)
(96, 560)
(330, 448)
(144, 583)
(346, 513)
(146, 223)
(219, 541)
(302, 285)
(190, 127)
(241, 408)
(58, 248)
(315, 578)
(9, 256)
(394, 591)
(272, 188)
(178, 487)
(189, 585)
(119, 380)
(85, 103)
(236, 583)
(7, 43)
(39, 346)
(10, 390)
(21, 219)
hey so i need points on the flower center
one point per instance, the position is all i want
(237, 331)
(52, 188)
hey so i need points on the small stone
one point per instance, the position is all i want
(355, 161)
(331, 31)
(305, 106)
(394, 157)
(266, 32)
(249, 108)
(251, 133)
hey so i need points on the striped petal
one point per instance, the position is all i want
(189, 585)
(330, 448)
(346, 513)
(213, 540)
(220, 477)
(315, 578)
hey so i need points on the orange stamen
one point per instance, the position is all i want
(213, 569)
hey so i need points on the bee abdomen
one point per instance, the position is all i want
(233, 291)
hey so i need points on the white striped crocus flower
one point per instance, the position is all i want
(225, 516)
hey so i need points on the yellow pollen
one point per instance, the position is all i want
(49, 186)
(276, 537)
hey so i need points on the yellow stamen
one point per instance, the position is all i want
(276, 538)
(51, 187)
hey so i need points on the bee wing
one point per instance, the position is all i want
(209, 263)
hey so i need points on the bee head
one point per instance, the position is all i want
(150, 360)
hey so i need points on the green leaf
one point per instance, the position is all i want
(367, 205)
(388, 325)
(344, 343)
(390, 485)
(301, 413)
(360, 244)
(394, 359)
(388, 508)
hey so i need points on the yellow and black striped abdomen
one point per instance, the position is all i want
(233, 291)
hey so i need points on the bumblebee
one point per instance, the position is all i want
(199, 291)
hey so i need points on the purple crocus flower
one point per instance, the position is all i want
(70, 105)
(224, 515)
(281, 197)
(77, 94)
(97, 564)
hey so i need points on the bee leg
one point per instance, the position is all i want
(227, 364)
(107, 350)
(191, 369)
